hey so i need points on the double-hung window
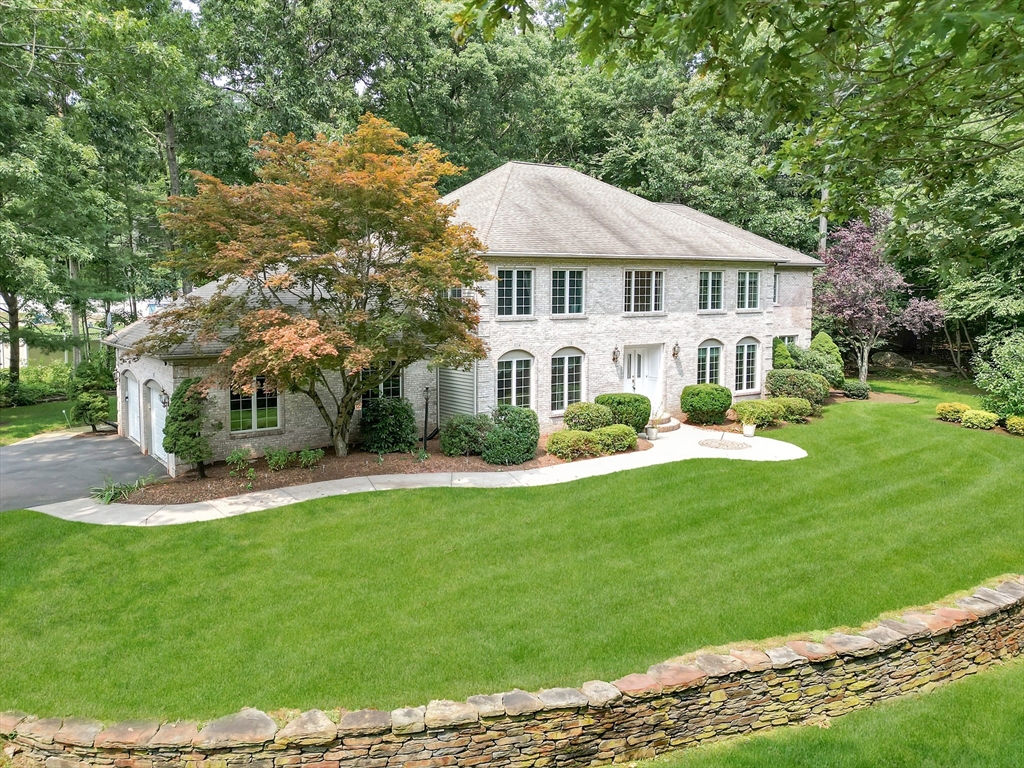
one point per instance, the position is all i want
(746, 365)
(391, 387)
(775, 288)
(515, 292)
(710, 292)
(643, 290)
(567, 292)
(515, 374)
(566, 378)
(709, 363)
(255, 411)
(748, 290)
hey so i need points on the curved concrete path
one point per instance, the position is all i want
(674, 446)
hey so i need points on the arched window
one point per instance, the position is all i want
(566, 378)
(746, 365)
(709, 362)
(515, 376)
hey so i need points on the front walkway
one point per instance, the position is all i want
(685, 443)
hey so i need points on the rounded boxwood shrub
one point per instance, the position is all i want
(793, 409)
(388, 425)
(587, 417)
(616, 438)
(464, 435)
(781, 358)
(705, 403)
(951, 411)
(627, 408)
(570, 444)
(815, 361)
(804, 384)
(1015, 425)
(822, 342)
(856, 390)
(973, 419)
(514, 437)
(762, 413)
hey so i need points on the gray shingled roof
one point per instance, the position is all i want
(538, 210)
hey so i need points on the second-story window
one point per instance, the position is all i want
(515, 292)
(775, 288)
(643, 290)
(567, 291)
(748, 290)
(710, 292)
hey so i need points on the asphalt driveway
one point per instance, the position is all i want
(60, 467)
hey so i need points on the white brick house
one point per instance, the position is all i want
(594, 290)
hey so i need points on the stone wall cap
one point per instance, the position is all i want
(78, 732)
(40, 730)
(813, 651)
(909, 629)
(488, 705)
(754, 660)
(784, 658)
(129, 734)
(600, 694)
(1001, 599)
(959, 615)
(408, 720)
(308, 729)
(247, 728)
(717, 665)
(9, 721)
(563, 698)
(364, 722)
(442, 713)
(886, 637)
(517, 702)
(977, 606)
(937, 625)
(851, 645)
(179, 734)
(638, 685)
(1012, 588)
(677, 676)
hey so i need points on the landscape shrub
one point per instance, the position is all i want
(310, 457)
(388, 425)
(464, 435)
(973, 419)
(705, 403)
(89, 385)
(587, 417)
(1001, 376)
(823, 343)
(616, 438)
(90, 408)
(183, 429)
(514, 437)
(951, 411)
(781, 358)
(761, 413)
(791, 383)
(238, 460)
(36, 384)
(856, 390)
(795, 410)
(569, 444)
(279, 458)
(627, 408)
(815, 361)
(1015, 425)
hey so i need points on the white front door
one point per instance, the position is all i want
(134, 411)
(157, 417)
(642, 373)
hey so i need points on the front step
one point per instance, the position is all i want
(658, 421)
(668, 424)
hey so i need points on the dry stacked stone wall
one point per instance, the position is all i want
(676, 704)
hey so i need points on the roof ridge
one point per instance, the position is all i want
(497, 201)
(715, 226)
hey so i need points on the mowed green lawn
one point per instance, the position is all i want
(28, 420)
(389, 599)
(977, 722)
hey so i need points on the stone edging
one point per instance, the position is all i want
(679, 703)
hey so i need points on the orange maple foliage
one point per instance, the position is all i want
(339, 260)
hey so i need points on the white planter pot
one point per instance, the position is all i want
(652, 433)
(749, 429)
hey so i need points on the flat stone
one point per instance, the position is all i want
(64, 762)
(40, 730)
(637, 685)
(489, 705)
(364, 722)
(78, 732)
(753, 660)
(784, 658)
(884, 636)
(676, 676)
(172, 735)
(936, 624)
(443, 713)
(958, 615)
(309, 728)
(717, 665)
(911, 630)
(1001, 599)
(408, 720)
(976, 606)
(9, 722)
(247, 728)
(519, 702)
(1012, 588)
(851, 645)
(600, 694)
(562, 698)
(813, 651)
(131, 734)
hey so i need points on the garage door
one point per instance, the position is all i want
(134, 411)
(157, 417)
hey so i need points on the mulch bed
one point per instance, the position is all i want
(219, 483)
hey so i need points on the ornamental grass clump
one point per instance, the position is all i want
(760, 413)
(952, 412)
(803, 384)
(587, 417)
(627, 408)
(976, 419)
(705, 403)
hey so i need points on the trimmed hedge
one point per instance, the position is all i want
(821, 363)
(388, 425)
(464, 435)
(616, 438)
(569, 444)
(855, 390)
(781, 358)
(951, 411)
(795, 410)
(587, 417)
(627, 408)
(803, 384)
(705, 403)
(822, 342)
(762, 413)
(973, 419)
(1015, 425)
(514, 437)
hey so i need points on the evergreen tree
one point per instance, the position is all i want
(183, 430)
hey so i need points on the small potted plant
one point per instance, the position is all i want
(749, 429)
(652, 431)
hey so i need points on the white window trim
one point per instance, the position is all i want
(566, 352)
(380, 387)
(515, 293)
(748, 308)
(654, 281)
(721, 356)
(709, 310)
(551, 288)
(512, 357)
(775, 288)
(254, 429)
(745, 342)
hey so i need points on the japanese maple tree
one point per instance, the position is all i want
(865, 296)
(334, 269)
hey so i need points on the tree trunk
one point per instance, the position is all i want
(76, 324)
(174, 173)
(865, 355)
(201, 469)
(14, 327)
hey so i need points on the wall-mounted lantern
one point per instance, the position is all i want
(615, 354)
(165, 399)
(675, 349)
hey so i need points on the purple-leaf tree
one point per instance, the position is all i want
(865, 296)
